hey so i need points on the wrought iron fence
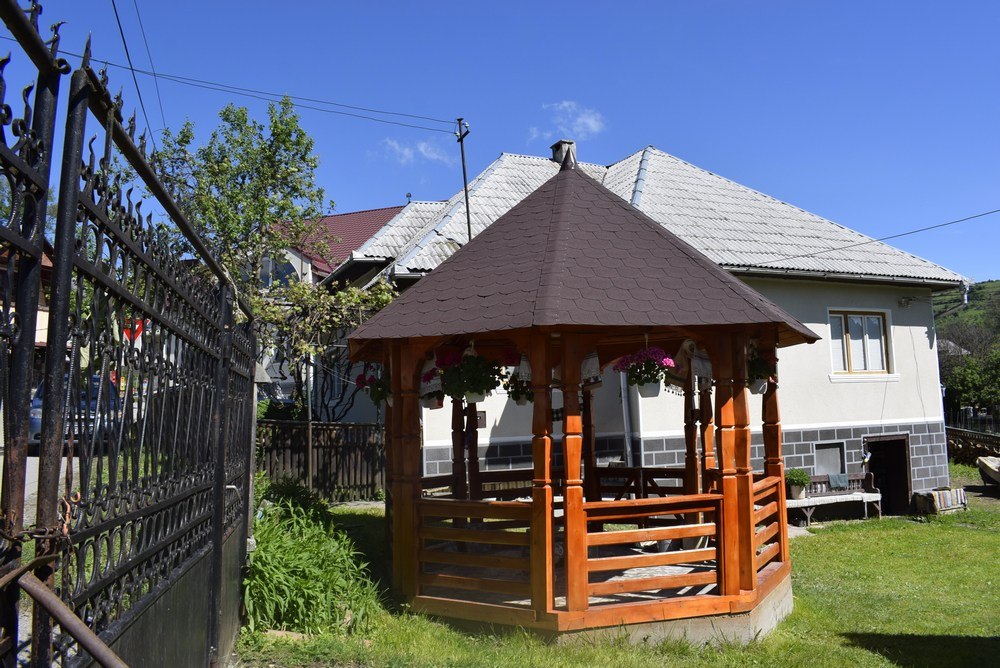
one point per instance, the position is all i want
(144, 411)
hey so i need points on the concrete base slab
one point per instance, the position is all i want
(716, 630)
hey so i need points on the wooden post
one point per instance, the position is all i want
(392, 475)
(774, 465)
(725, 418)
(591, 489)
(707, 428)
(472, 451)
(576, 527)
(406, 423)
(541, 570)
(402, 547)
(458, 486)
(744, 471)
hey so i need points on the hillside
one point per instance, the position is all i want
(948, 305)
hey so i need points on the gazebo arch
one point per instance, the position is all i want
(570, 273)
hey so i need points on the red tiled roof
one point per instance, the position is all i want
(574, 253)
(351, 229)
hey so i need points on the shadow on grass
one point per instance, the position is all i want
(366, 527)
(918, 651)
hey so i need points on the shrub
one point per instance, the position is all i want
(797, 477)
(304, 576)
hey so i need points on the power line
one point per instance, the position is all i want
(891, 236)
(128, 56)
(268, 96)
(156, 81)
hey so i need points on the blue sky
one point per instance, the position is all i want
(880, 116)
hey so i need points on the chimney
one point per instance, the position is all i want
(561, 149)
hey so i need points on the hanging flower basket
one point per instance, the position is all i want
(760, 367)
(646, 368)
(377, 388)
(432, 401)
(518, 389)
(469, 376)
(758, 386)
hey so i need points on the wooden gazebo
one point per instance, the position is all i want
(568, 545)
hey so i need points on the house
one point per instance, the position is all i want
(869, 389)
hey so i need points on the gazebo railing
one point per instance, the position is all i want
(767, 520)
(481, 546)
(611, 554)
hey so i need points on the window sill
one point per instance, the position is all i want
(864, 377)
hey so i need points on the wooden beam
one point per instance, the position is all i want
(706, 425)
(774, 465)
(408, 360)
(744, 470)
(592, 489)
(725, 419)
(472, 451)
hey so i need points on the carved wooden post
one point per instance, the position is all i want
(472, 451)
(389, 444)
(707, 428)
(406, 423)
(725, 417)
(774, 466)
(744, 471)
(576, 526)
(541, 571)
(458, 487)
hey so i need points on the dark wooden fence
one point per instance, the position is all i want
(964, 445)
(348, 460)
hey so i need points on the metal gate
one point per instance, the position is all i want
(136, 391)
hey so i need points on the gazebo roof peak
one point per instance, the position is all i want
(574, 253)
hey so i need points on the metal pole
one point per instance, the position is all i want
(465, 174)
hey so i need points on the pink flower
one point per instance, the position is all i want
(667, 362)
(448, 358)
(360, 381)
(429, 376)
(372, 380)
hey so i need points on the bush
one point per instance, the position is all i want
(304, 576)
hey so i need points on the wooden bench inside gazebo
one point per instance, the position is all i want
(571, 272)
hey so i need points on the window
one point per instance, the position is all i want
(858, 342)
(829, 458)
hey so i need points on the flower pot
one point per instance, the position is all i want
(432, 402)
(796, 492)
(474, 397)
(649, 390)
(758, 386)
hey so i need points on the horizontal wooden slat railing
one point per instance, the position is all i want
(474, 546)
(611, 551)
(767, 511)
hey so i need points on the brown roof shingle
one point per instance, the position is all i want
(574, 253)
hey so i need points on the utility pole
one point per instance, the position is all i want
(463, 132)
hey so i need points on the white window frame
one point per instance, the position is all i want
(887, 356)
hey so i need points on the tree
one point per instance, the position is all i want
(251, 193)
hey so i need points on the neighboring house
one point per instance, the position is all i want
(333, 240)
(869, 388)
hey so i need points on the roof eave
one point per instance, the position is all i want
(935, 284)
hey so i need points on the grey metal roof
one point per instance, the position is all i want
(741, 229)
(388, 241)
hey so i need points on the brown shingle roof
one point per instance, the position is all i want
(573, 253)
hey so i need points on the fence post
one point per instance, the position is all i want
(53, 407)
(220, 437)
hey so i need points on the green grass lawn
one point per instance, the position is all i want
(892, 592)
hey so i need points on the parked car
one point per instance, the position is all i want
(95, 420)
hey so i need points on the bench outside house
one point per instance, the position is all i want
(860, 489)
